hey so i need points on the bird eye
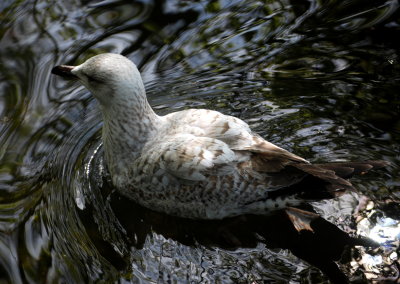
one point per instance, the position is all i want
(92, 79)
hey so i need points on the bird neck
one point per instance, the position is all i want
(128, 125)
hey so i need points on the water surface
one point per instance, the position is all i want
(319, 78)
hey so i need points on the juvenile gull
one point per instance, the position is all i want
(197, 163)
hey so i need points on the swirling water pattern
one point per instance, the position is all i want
(319, 78)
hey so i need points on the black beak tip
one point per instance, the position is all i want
(63, 71)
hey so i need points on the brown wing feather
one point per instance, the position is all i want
(310, 181)
(348, 169)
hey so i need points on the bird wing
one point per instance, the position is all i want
(259, 157)
(189, 157)
(236, 134)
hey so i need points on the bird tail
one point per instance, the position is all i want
(349, 169)
(320, 181)
(330, 180)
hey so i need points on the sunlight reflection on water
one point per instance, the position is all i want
(386, 232)
(383, 230)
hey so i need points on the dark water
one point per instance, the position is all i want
(320, 78)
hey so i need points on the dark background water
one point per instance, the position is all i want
(319, 78)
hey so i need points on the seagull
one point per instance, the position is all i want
(199, 163)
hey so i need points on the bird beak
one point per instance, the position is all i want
(64, 71)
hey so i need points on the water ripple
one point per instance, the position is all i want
(281, 66)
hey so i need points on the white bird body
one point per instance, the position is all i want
(194, 163)
(198, 164)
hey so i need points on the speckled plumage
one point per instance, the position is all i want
(194, 163)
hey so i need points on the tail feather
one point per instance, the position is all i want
(329, 180)
(325, 174)
(349, 169)
(314, 182)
